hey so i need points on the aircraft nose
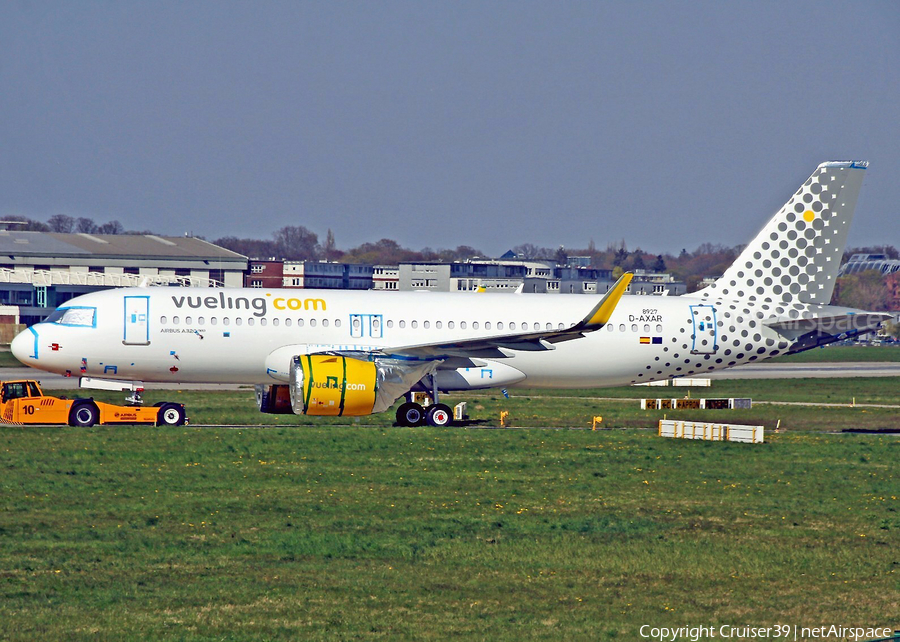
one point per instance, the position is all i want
(22, 346)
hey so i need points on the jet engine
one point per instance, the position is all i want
(333, 386)
(338, 385)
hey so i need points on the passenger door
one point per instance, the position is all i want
(705, 329)
(137, 321)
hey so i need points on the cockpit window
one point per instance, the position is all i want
(85, 317)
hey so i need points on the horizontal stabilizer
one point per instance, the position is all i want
(833, 324)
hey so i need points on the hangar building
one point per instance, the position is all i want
(41, 270)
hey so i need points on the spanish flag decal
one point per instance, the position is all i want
(645, 339)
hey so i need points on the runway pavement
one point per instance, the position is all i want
(768, 370)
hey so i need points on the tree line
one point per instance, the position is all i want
(64, 224)
(867, 290)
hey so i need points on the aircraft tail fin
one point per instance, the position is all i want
(795, 258)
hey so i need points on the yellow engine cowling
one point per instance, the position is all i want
(333, 386)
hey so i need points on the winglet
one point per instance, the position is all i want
(601, 312)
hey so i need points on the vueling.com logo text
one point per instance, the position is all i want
(258, 304)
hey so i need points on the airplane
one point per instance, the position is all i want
(342, 353)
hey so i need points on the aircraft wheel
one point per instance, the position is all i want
(84, 415)
(262, 398)
(170, 414)
(410, 414)
(439, 415)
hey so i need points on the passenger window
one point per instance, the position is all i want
(287, 323)
(450, 324)
(201, 321)
(634, 327)
(312, 323)
(621, 327)
(474, 325)
(659, 328)
(162, 320)
(462, 325)
(413, 324)
(276, 322)
(499, 325)
(337, 323)
(213, 321)
(324, 323)
(299, 323)
(238, 321)
(175, 320)
(487, 325)
(187, 320)
(390, 324)
(226, 321)
(426, 325)
(403, 324)
(437, 324)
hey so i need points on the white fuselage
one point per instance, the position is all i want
(182, 335)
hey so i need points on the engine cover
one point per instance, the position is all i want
(333, 386)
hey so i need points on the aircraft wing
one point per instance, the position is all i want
(494, 346)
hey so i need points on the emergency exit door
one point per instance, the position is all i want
(137, 321)
(705, 329)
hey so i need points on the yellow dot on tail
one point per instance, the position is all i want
(809, 215)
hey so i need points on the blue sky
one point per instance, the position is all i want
(445, 123)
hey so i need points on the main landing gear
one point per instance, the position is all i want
(411, 413)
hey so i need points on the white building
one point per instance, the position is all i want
(41, 270)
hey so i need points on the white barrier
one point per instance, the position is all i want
(710, 432)
(681, 381)
(697, 404)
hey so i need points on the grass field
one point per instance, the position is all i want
(7, 360)
(336, 529)
(336, 532)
